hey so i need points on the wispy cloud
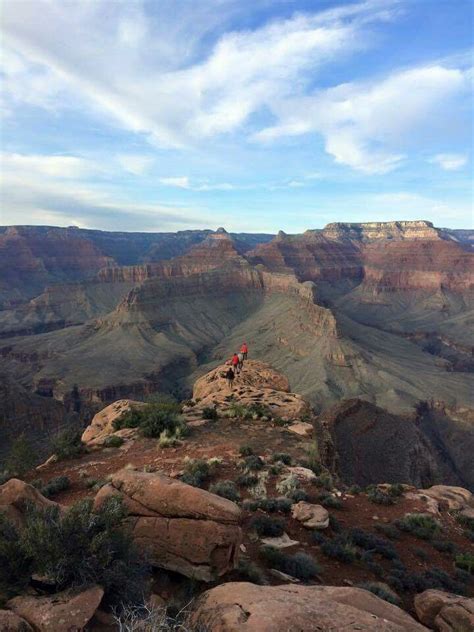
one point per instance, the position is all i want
(183, 182)
(136, 164)
(450, 162)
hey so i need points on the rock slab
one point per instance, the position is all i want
(15, 494)
(311, 516)
(445, 612)
(102, 424)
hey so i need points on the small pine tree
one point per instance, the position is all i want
(22, 457)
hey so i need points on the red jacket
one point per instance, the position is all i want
(235, 359)
(244, 348)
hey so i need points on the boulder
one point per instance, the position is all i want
(182, 528)
(302, 428)
(431, 505)
(102, 424)
(11, 622)
(14, 494)
(311, 516)
(281, 542)
(62, 612)
(303, 474)
(450, 498)
(445, 612)
(245, 607)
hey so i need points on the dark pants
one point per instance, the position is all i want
(245, 355)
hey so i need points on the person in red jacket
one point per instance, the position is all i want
(236, 364)
(244, 350)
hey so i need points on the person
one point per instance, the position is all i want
(235, 363)
(240, 355)
(244, 350)
(229, 376)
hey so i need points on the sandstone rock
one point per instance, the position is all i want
(301, 428)
(245, 607)
(303, 474)
(11, 622)
(449, 497)
(62, 612)
(311, 516)
(281, 542)
(467, 513)
(182, 528)
(14, 494)
(257, 383)
(102, 426)
(431, 504)
(445, 612)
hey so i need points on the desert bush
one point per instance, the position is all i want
(465, 561)
(226, 489)
(252, 463)
(21, 458)
(210, 413)
(282, 457)
(245, 450)
(380, 591)
(153, 419)
(247, 480)
(67, 444)
(334, 523)
(113, 441)
(370, 542)
(324, 480)
(422, 526)
(395, 490)
(288, 485)
(271, 505)
(368, 559)
(444, 546)
(355, 490)
(144, 618)
(331, 502)
(196, 472)
(317, 537)
(389, 530)
(298, 495)
(438, 578)
(279, 422)
(15, 564)
(249, 571)
(379, 497)
(55, 486)
(276, 468)
(340, 548)
(257, 411)
(299, 565)
(465, 521)
(421, 554)
(266, 526)
(236, 410)
(313, 460)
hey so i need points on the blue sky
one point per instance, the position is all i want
(257, 116)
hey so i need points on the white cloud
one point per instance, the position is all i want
(450, 162)
(48, 165)
(136, 164)
(363, 123)
(183, 182)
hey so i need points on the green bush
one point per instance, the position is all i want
(249, 571)
(245, 450)
(324, 480)
(465, 561)
(210, 413)
(381, 592)
(300, 565)
(268, 527)
(422, 526)
(153, 419)
(281, 456)
(297, 495)
(196, 472)
(379, 497)
(55, 486)
(16, 565)
(370, 542)
(247, 480)
(331, 502)
(75, 548)
(21, 458)
(113, 441)
(465, 521)
(340, 548)
(355, 490)
(271, 505)
(252, 463)
(226, 489)
(444, 546)
(67, 444)
(288, 485)
(395, 490)
(389, 530)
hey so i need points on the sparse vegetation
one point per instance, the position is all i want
(245, 450)
(55, 486)
(422, 526)
(379, 497)
(154, 419)
(271, 505)
(247, 480)
(465, 561)
(266, 526)
(381, 592)
(299, 565)
(113, 441)
(210, 413)
(389, 530)
(226, 489)
(298, 495)
(340, 548)
(67, 444)
(444, 546)
(252, 463)
(370, 542)
(282, 457)
(249, 571)
(21, 458)
(196, 472)
(288, 485)
(324, 480)
(330, 502)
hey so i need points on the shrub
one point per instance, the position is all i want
(21, 458)
(422, 526)
(113, 441)
(15, 564)
(421, 554)
(196, 472)
(226, 489)
(67, 444)
(210, 413)
(153, 419)
(379, 497)
(245, 450)
(167, 440)
(297, 495)
(271, 505)
(367, 558)
(317, 537)
(265, 526)
(80, 547)
(249, 571)
(300, 565)
(389, 530)
(465, 561)
(276, 468)
(370, 542)
(288, 485)
(237, 410)
(247, 480)
(465, 521)
(281, 423)
(334, 524)
(283, 457)
(355, 490)
(257, 411)
(381, 592)
(340, 548)
(437, 578)
(395, 490)
(324, 480)
(331, 502)
(444, 546)
(252, 463)
(314, 458)
(55, 486)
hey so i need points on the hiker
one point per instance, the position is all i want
(235, 363)
(244, 350)
(240, 355)
(229, 376)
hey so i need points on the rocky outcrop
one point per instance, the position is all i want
(445, 612)
(450, 498)
(10, 622)
(182, 528)
(14, 497)
(244, 607)
(311, 516)
(257, 383)
(61, 612)
(373, 231)
(102, 424)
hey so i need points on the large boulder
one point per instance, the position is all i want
(245, 607)
(11, 622)
(311, 516)
(102, 424)
(257, 383)
(182, 528)
(449, 497)
(62, 612)
(14, 497)
(445, 612)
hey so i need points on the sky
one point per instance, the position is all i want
(255, 115)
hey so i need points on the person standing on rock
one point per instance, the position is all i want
(229, 376)
(240, 355)
(235, 363)
(244, 350)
